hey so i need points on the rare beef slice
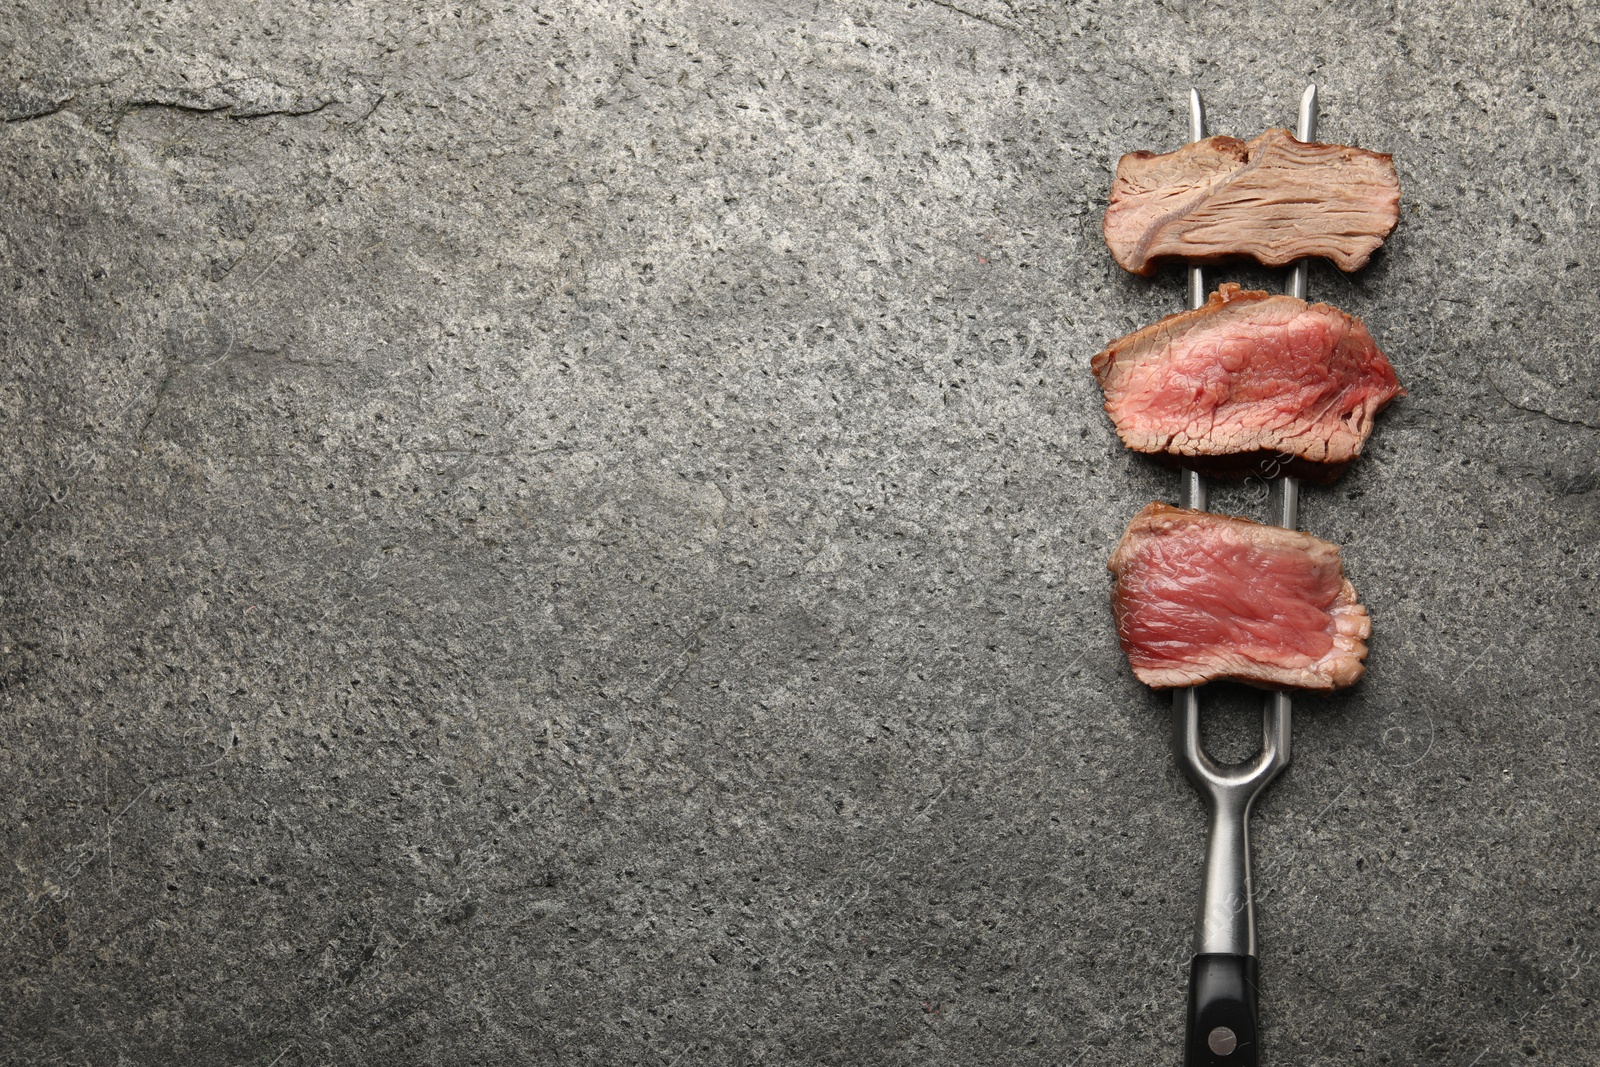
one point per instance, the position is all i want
(1202, 597)
(1249, 382)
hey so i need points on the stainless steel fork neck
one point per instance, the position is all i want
(1226, 921)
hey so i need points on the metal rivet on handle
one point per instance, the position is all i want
(1222, 1041)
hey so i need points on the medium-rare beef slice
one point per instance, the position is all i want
(1274, 200)
(1249, 381)
(1202, 597)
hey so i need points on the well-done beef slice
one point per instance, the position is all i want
(1249, 382)
(1274, 200)
(1202, 597)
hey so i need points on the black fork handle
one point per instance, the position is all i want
(1222, 1030)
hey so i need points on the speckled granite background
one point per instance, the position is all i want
(575, 534)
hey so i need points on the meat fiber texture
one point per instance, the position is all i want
(1202, 597)
(1249, 382)
(1274, 200)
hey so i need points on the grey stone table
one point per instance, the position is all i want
(575, 534)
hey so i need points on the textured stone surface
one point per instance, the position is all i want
(576, 534)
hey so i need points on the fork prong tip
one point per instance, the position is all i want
(1306, 130)
(1197, 115)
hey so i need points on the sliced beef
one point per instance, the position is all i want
(1249, 382)
(1275, 200)
(1202, 597)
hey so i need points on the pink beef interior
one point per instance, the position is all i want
(1193, 597)
(1248, 372)
(1200, 597)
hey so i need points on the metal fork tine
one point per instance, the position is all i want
(1277, 716)
(1197, 131)
(1197, 276)
(1192, 494)
(1305, 130)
